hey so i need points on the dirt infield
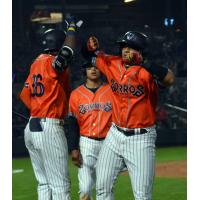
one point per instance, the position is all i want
(172, 169)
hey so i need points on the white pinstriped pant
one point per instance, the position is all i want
(86, 174)
(49, 156)
(138, 153)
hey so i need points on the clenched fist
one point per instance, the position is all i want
(77, 158)
(92, 43)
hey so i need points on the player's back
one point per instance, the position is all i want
(49, 88)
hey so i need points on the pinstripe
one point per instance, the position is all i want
(89, 148)
(48, 152)
(44, 191)
(58, 161)
(109, 165)
(86, 174)
(137, 161)
(99, 124)
(138, 153)
(145, 161)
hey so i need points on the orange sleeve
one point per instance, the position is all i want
(25, 94)
(103, 62)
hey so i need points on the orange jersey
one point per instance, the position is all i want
(46, 92)
(93, 111)
(134, 92)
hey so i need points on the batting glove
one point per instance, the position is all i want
(72, 23)
(90, 48)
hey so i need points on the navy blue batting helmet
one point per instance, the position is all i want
(53, 39)
(133, 39)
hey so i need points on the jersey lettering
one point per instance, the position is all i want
(36, 84)
(83, 108)
(137, 90)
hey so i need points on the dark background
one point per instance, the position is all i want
(108, 20)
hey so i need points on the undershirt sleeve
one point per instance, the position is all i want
(73, 133)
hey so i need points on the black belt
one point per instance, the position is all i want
(98, 139)
(137, 131)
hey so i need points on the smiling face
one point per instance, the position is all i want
(131, 56)
(92, 73)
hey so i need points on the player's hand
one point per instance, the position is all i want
(90, 48)
(72, 22)
(77, 158)
(70, 19)
(92, 44)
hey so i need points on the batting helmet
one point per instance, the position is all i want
(53, 39)
(133, 39)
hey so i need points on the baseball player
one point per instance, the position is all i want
(46, 94)
(90, 109)
(131, 138)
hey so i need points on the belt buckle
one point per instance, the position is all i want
(140, 131)
(136, 131)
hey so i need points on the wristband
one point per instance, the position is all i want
(71, 29)
(157, 71)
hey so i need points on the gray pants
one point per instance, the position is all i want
(87, 173)
(49, 156)
(137, 152)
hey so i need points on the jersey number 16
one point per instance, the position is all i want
(38, 87)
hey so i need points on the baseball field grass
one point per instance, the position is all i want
(24, 185)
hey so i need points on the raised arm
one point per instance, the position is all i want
(65, 55)
(164, 75)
